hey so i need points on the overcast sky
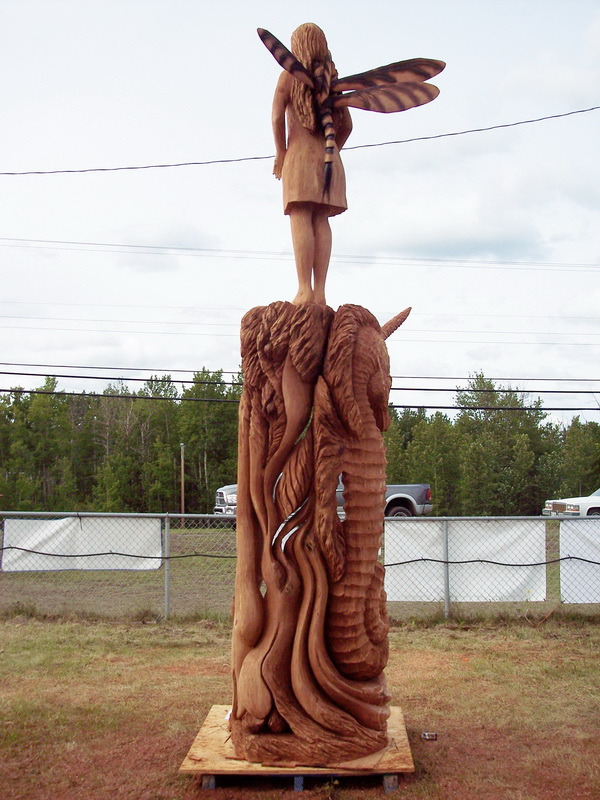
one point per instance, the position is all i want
(492, 237)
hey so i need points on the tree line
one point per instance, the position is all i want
(121, 451)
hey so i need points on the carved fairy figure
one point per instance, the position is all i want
(299, 162)
(311, 124)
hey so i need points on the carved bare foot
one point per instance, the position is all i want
(303, 296)
(319, 297)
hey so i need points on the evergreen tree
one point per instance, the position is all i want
(40, 451)
(432, 457)
(209, 432)
(118, 430)
(159, 444)
(397, 438)
(122, 453)
(581, 459)
(499, 450)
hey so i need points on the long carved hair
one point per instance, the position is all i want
(309, 45)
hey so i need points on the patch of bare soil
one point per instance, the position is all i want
(491, 764)
(516, 720)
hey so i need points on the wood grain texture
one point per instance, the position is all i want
(310, 630)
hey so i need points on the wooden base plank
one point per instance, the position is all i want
(212, 753)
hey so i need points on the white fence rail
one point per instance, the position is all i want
(151, 565)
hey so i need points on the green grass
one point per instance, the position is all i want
(96, 709)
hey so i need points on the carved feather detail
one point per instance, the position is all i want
(294, 484)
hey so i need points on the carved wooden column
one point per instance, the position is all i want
(310, 624)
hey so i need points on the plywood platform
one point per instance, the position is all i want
(212, 753)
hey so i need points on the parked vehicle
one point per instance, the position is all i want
(574, 506)
(401, 500)
(408, 500)
(226, 500)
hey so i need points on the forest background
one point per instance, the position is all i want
(121, 451)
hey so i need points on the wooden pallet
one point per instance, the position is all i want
(212, 754)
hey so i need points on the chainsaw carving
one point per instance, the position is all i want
(312, 102)
(310, 625)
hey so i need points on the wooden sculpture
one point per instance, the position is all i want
(309, 641)
(310, 623)
(314, 102)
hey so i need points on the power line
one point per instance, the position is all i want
(285, 255)
(129, 396)
(155, 378)
(462, 378)
(144, 333)
(262, 158)
(402, 339)
(142, 166)
(235, 400)
(236, 372)
(114, 369)
(151, 379)
(139, 305)
(162, 307)
(485, 391)
(475, 130)
(236, 325)
(177, 322)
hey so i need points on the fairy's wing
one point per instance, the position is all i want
(411, 71)
(285, 58)
(395, 87)
(387, 98)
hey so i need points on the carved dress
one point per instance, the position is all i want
(303, 174)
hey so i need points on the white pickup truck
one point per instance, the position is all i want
(401, 500)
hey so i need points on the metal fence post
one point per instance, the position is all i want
(167, 565)
(446, 569)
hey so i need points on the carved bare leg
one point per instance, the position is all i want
(303, 239)
(322, 232)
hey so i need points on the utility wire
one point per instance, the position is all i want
(224, 384)
(403, 339)
(475, 130)
(284, 255)
(236, 372)
(152, 379)
(386, 314)
(236, 325)
(129, 396)
(235, 400)
(262, 158)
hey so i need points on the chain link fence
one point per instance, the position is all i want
(479, 565)
(146, 566)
